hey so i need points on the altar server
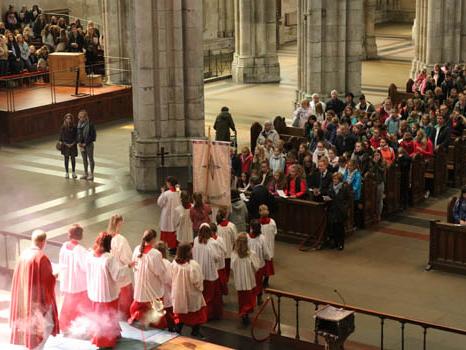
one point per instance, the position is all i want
(73, 285)
(104, 275)
(149, 282)
(244, 265)
(183, 223)
(189, 306)
(227, 230)
(207, 255)
(269, 231)
(222, 251)
(256, 243)
(33, 310)
(123, 254)
(161, 246)
(168, 201)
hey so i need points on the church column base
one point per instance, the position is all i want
(246, 70)
(146, 167)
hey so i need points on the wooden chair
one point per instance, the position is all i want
(255, 131)
(398, 96)
(436, 170)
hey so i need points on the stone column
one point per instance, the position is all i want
(439, 33)
(330, 37)
(370, 46)
(168, 90)
(116, 40)
(255, 59)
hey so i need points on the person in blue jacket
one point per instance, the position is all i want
(353, 177)
(459, 210)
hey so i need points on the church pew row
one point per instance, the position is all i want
(447, 247)
(304, 222)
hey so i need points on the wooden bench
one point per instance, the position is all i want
(450, 206)
(456, 162)
(447, 247)
(417, 179)
(392, 200)
(436, 170)
(369, 199)
(398, 96)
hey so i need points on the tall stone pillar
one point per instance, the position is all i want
(440, 34)
(115, 22)
(370, 46)
(255, 59)
(168, 89)
(330, 46)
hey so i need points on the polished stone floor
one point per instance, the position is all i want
(381, 268)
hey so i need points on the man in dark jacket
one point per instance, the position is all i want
(335, 104)
(223, 124)
(441, 135)
(259, 195)
(86, 138)
(345, 141)
(320, 181)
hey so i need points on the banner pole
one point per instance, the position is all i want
(209, 145)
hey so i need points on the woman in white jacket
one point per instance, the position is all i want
(244, 264)
(168, 201)
(183, 223)
(150, 276)
(189, 307)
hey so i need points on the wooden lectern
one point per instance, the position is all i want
(63, 65)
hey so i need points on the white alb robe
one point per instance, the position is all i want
(244, 270)
(149, 276)
(208, 257)
(123, 254)
(219, 245)
(168, 201)
(73, 268)
(104, 275)
(259, 246)
(183, 224)
(187, 286)
(269, 231)
(228, 233)
(167, 294)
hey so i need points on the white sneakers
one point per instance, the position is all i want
(67, 175)
(90, 177)
(84, 177)
(74, 175)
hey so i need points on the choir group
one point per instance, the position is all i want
(110, 283)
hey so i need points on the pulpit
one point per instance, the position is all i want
(63, 68)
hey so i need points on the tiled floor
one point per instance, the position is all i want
(381, 268)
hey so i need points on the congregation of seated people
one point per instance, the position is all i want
(353, 138)
(27, 38)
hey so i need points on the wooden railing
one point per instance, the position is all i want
(403, 321)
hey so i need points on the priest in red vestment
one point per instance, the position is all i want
(33, 314)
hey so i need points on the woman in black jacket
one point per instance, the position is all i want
(69, 148)
(337, 212)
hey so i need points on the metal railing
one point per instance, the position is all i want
(14, 88)
(217, 64)
(403, 321)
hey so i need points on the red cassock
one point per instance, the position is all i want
(246, 301)
(169, 238)
(213, 297)
(33, 305)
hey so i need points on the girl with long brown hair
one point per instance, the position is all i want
(244, 264)
(189, 306)
(121, 250)
(149, 278)
(69, 140)
(200, 212)
(206, 253)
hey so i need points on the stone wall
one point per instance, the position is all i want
(218, 26)
(403, 11)
(288, 21)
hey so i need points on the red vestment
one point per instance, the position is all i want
(32, 298)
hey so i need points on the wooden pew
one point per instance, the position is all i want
(417, 179)
(436, 170)
(305, 222)
(288, 132)
(398, 96)
(392, 190)
(456, 162)
(369, 199)
(447, 248)
(450, 207)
